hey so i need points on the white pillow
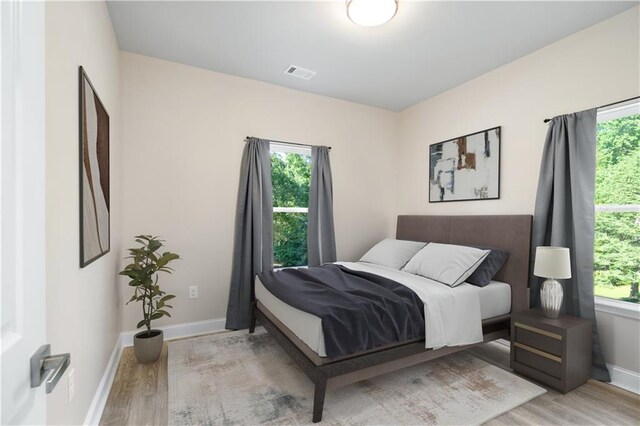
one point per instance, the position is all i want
(392, 253)
(446, 263)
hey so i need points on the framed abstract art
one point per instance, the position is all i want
(94, 174)
(465, 168)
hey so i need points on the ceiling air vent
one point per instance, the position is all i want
(299, 72)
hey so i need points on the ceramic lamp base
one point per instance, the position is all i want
(551, 298)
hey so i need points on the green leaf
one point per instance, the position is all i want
(154, 245)
(141, 323)
(166, 258)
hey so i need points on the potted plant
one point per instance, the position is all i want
(143, 271)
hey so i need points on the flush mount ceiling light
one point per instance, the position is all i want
(370, 13)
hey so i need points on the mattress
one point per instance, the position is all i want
(495, 300)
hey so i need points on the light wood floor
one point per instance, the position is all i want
(139, 397)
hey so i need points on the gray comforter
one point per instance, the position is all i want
(359, 311)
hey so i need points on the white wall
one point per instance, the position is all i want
(183, 138)
(83, 312)
(593, 67)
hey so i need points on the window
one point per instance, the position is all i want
(617, 236)
(290, 175)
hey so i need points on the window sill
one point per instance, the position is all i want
(290, 267)
(618, 308)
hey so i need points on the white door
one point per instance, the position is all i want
(22, 213)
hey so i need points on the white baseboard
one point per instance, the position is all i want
(625, 379)
(104, 387)
(176, 331)
(179, 331)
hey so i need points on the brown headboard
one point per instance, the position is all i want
(511, 233)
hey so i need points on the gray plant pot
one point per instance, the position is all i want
(148, 346)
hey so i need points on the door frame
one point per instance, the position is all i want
(22, 208)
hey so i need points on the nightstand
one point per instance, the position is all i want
(555, 352)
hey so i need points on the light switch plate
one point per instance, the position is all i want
(72, 383)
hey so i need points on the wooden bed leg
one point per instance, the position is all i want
(318, 398)
(252, 323)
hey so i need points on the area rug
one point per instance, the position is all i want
(238, 378)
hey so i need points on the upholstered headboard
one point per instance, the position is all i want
(510, 233)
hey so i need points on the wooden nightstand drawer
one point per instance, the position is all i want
(538, 375)
(542, 361)
(538, 338)
(556, 352)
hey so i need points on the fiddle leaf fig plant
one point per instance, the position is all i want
(146, 263)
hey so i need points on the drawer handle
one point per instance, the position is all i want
(538, 352)
(538, 330)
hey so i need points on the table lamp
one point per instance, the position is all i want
(552, 263)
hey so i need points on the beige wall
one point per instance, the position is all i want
(83, 312)
(594, 67)
(183, 139)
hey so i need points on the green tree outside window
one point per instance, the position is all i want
(617, 237)
(290, 175)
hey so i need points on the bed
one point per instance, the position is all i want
(300, 333)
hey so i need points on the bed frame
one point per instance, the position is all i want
(511, 233)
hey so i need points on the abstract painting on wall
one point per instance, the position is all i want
(465, 168)
(94, 174)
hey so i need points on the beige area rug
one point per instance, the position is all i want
(241, 379)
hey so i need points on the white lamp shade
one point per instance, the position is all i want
(552, 262)
(369, 13)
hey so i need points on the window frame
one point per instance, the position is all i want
(277, 147)
(605, 304)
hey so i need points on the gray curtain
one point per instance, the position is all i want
(253, 241)
(321, 239)
(564, 214)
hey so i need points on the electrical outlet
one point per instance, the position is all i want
(193, 292)
(72, 383)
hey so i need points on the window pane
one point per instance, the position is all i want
(617, 255)
(290, 175)
(289, 239)
(618, 161)
(617, 238)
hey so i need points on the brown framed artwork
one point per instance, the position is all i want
(95, 239)
(466, 168)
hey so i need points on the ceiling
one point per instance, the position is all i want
(428, 48)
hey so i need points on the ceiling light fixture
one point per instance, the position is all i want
(370, 13)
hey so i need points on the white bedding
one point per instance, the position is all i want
(453, 316)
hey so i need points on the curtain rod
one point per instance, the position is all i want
(546, 120)
(282, 142)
